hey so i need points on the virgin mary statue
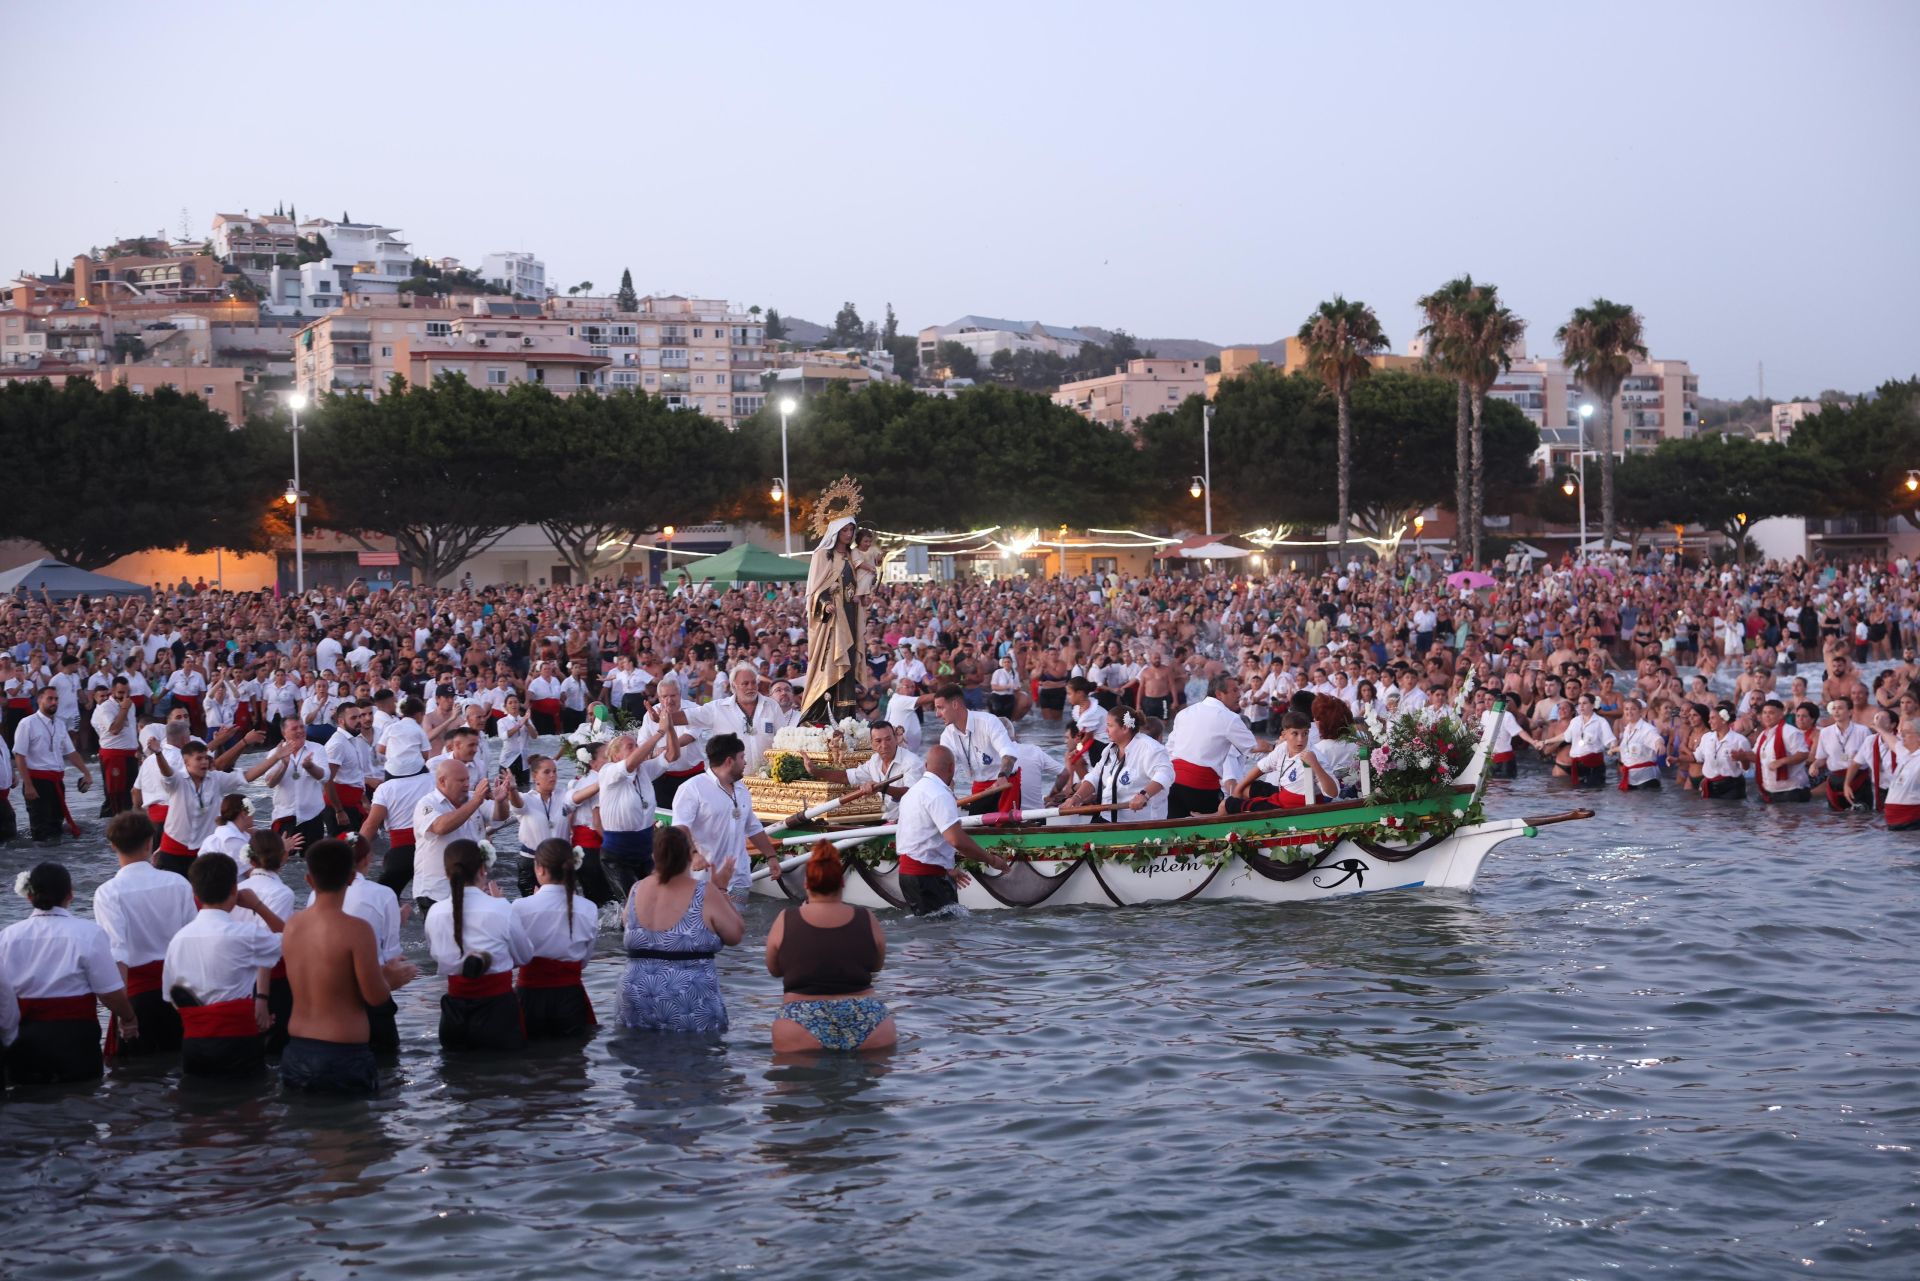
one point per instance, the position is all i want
(836, 612)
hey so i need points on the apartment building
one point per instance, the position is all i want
(1659, 400)
(358, 349)
(520, 272)
(253, 242)
(1294, 359)
(1788, 414)
(698, 353)
(1144, 386)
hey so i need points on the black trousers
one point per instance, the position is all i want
(1183, 801)
(383, 1030)
(55, 1052)
(311, 832)
(159, 1027)
(45, 815)
(178, 864)
(280, 1005)
(481, 1023)
(397, 868)
(1733, 788)
(553, 1013)
(618, 876)
(221, 1056)
(927, 894)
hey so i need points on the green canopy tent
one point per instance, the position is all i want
(746, 563)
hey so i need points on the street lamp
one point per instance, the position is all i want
(1580, 462)
(1913, 480)
(1419, 524)
(779, 490)
(1197, 488)
(787, 406)
(1206, 460)
(296, 498)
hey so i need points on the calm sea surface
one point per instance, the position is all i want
(1679, 1039)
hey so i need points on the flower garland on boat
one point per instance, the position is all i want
(1416, 755)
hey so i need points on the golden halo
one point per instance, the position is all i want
(839, 500)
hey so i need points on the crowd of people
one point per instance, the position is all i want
(395, 731)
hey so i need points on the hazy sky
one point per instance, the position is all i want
(1746, 174)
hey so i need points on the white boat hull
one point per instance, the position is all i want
(1450, 863)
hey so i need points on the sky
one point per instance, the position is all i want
(1746, 175)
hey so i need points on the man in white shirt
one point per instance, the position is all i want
(195, 791)
(216, 974)
(350, 768)
(890, 771)
(1839, 745)
(42, 749)
(1639, 748)
(717, 809)
(980, 739)
(1207, 742)
(574, 692)
(297, 772)
(745, 714)
(543, 699)
(326, 654)
(929, 835)
(1588, 737)
(115, 727)
(189, 690)
(141, 908)
(629, 806)
(903, 711)
(1779, 757)
(450, 812)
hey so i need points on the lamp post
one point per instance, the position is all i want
(1580, 465)
(297, 498)
(787, 406)
(666, 532)
(1206, 461)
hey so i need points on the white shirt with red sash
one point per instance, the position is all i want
(218, 957)
(58, 963)
(1640, 749)
(193, 809)
(141, 908)
(1903, 791)
(1780, 741)
(1837, 748)
(1204, 741)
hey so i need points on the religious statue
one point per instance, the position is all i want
(837, 589)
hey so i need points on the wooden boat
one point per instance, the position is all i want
(1276, 856)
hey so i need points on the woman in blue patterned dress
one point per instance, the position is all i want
(674, 929)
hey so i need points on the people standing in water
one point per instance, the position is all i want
(141, 908)
(674, 928)
(216, 974)
(477, 942)
(825, 955)
(560, 924)
(334, 965)
(60, 966)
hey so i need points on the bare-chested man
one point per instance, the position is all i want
(333, 963)
(1156, 685)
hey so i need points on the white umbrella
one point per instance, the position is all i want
(1599, 544)
(1530, 551)
(1214, 551)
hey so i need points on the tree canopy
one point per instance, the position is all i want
(1869, 449)
(103, 474)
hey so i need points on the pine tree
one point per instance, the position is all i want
(626, 299)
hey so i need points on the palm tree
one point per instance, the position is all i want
(1339, 336)
(1443, 309)
(1599, 344)
(1488, 333)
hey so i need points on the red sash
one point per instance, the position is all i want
(348, 797)
(546, 706)
(544, 971)
(586, 838)
(222, 1018)
(196, 714)
(1501, 758)
(1897, 816)
(243, 719)
(56, 780)
(1198, 777)
(500, 713)
(19, 704)
(477, 989)
(683, 773)
(1009, 799)
(1596, 761)
(59, 1009)
(142, 979)
(1779, 750)
(1626, 772)
(170, 846)
(1280, 799)
(913, 867)
(116, 769)
(399, 838)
